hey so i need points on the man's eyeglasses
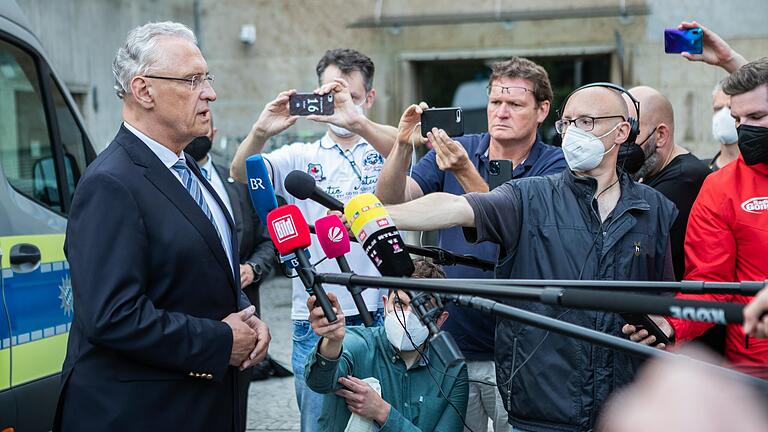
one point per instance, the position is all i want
(585, 123)
(512, 90)
(194, 81)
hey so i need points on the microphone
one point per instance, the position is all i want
(260, 187)
(334, 240)
(303, 186)
(290, 233)
(381, 240)
(263, 196)
(376, 231)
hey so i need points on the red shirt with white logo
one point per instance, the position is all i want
(727, 241)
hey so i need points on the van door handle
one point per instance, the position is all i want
(24, 257)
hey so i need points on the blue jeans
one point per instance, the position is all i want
(304, 341)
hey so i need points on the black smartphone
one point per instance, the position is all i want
(500, 171)
(304, 104)
(688, 40)
(642, 321)
(450, 120)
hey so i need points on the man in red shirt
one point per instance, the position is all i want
(728, 227)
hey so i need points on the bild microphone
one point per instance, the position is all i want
(290, 233)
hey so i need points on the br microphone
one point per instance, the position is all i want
(378, 235)
(260, 187)
(303, 186)
(263, 196)
(334, 240)
(290, 234)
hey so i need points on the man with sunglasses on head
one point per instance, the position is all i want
(588, 222)
(519, 99)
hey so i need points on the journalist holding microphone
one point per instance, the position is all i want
(589, 222)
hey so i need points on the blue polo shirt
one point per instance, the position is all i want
(472, 330)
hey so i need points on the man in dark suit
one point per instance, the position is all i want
(160, 325)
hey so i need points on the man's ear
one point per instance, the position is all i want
(663, 135)
(142, 91)
(384, 300)
(441, 319)
(369, 99)
(542, 111)
(622, 133)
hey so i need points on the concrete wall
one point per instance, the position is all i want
(291, 35)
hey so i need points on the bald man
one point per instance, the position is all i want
(668, 167)
(588, 222)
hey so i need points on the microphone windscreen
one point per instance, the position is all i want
(288, 229)
(300, 184)
(332, 235)
(381, 241)
(260, 187)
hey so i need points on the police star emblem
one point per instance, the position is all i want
(65, 295)
(637, 248)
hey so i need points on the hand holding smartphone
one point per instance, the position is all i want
(448, 119)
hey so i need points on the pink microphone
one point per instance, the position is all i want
(334, 240)
(333, 236)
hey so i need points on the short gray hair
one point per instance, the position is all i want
(140, 53)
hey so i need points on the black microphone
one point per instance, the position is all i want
(303, 186)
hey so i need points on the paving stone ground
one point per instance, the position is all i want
(272, 402)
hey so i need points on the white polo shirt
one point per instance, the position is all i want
(343, 175)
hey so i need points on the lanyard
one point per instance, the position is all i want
(351, 163)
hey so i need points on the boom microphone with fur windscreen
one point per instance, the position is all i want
(290, 233)
(334, 240)
(377, 233)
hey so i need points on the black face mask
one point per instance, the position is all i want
(753, 143)
(199, 147)
(631, 157)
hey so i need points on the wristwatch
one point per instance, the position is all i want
(257, 271)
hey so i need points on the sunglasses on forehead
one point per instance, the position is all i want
(510, 90)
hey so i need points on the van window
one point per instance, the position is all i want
(72, 138)
(25, 146)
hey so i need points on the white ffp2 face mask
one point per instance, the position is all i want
(724, 127)
(396, 334)
(584, 151)
(342, 132)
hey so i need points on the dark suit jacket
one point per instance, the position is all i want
(252, 235)
(151, 282)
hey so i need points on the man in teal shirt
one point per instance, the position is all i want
(418, 393)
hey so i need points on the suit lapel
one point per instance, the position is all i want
(160, 176)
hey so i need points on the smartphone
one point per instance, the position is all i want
(688, 40)
(304, 104)
(499, 172)
(642, 321)
(448, 119)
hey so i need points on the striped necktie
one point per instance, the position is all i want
(193, 187)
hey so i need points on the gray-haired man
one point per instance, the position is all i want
(160, 322)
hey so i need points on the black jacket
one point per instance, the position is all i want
(252, 236)
(553, 382)
(151, 283)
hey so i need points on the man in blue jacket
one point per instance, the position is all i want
(589, 222)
